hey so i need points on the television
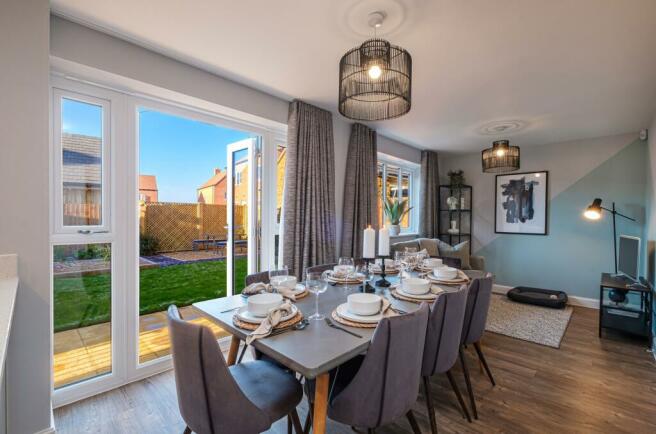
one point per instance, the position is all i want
(628, 257)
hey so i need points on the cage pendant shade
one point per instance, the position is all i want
(501, 157)
(375, 81)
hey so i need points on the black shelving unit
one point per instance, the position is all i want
(461, 214)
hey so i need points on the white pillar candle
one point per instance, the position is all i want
(383, 242)
(369, 243)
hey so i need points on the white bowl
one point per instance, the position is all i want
(445, 272)
(261, 304)
(432, 262)
(416, 286)
(364, 304)
(284, 281)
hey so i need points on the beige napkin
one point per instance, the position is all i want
(256, 288)
(259, 288)
(272, 320)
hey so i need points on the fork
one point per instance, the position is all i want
(335, 326)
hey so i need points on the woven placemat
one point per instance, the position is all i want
(398, 296)
(250, 326)
(387, 272)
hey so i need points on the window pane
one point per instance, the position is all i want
(82, 294)
(280, 187)
(82, 144)
(379, 194)
(392, 183)
(405, 195)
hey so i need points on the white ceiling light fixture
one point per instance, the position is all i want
(375, 79)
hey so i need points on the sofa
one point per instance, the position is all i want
(473, 266)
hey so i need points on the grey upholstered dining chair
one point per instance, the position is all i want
(478, 303)
(375, 389)
(214, 398)
(442, 345)
(261, 277)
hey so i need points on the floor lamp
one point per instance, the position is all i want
(593, 212)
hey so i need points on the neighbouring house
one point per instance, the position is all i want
(214, 190)
(81, 173)
(148, 188)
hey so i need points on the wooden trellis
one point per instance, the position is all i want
(176, 225)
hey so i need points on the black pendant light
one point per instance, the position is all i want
(501, 157)
(375, 79)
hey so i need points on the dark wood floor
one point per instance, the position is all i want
(587, 386)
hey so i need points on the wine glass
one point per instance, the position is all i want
(276, 277)
(367, 274)
(399, 263)
(346, 267)
(315, 283)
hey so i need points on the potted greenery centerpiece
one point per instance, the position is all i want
(395, 210)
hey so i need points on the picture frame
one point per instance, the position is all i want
(521, 203)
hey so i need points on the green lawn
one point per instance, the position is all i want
(83, 301)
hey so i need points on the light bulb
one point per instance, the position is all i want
(501, 152)
(592, 214)
(375, 72)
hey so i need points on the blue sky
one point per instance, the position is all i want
(180, 152)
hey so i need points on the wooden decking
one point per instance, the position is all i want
(589, 385)
(84, 353)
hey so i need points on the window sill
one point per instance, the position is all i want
(405, 234)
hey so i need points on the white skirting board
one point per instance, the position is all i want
(574, 300)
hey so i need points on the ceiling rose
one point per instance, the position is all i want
(375, 78)
(501, 127)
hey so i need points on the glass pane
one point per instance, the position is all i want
(183, 218)
(405, 195)
(379, 194)
(280, 187)
(82, 294)
(240, 189)
(392, 183)
(82, 144)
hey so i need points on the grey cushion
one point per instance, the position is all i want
(268, 387)
(460, 251)
(430, 245)
(401, 246)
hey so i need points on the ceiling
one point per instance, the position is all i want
(565, 69)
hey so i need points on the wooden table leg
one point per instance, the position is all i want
(320, 403)
(234, 349)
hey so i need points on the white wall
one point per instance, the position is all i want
(24, 34)
(79, 44)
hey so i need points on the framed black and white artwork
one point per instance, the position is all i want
(521, 203)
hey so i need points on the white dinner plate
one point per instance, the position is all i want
(244, 315)
(359, 278)
(342, 311)
(458, 279)
(427, 296)
(298, 290)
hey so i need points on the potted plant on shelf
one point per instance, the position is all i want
(395, 210)
(456, 181)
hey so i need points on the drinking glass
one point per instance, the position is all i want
(367, 273)
(399, 263)
(346, 266)
(316, 284)
(277, 276)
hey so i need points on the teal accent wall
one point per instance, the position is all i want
(576, 250)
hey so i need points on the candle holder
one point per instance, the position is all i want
(382, 282)
(366, 287)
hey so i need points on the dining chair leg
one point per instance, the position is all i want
(187, 430)
(308, 419)
(429, 405)
(289, 423)
(479, 351)
(241, 354)
(456, 390)
(465, 372)
(413, 422)
(296, 422)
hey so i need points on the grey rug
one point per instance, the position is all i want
(537, 324)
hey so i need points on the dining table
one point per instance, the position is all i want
(313, 351)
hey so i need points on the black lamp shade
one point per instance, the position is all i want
(501, 157)
(375, 81)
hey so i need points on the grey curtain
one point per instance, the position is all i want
(360, 197)
(429, 195)
(308, 222)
